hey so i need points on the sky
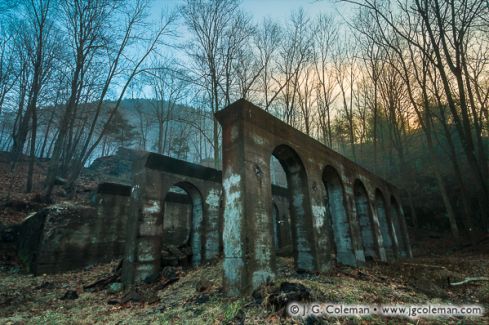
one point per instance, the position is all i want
(277, 10)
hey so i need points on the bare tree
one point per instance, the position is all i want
(35, 39)
(8, 75)
(325, 38)
(93, 38)
(295, 52)
(441, 31)
(267, 41)
(345, 72)
(169, 86)
(210, 22)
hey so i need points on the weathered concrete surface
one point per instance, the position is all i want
(153, 176)
(177, 221)
(186, 218)
(65, 236)
(323, 204)
(281, 221)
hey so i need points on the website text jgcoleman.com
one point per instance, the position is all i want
(412, 311)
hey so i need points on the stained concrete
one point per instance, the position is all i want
(153, 176)
(321, 209)
(66, 237)
(325, 214)
(365, 219)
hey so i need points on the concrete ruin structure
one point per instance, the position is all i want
(337, 208)
(155, 206)
(325, 210)
(69, 236)
(153, 176)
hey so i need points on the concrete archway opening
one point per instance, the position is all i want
(300, 215)
(280, 209)
(339, 218)
(383, 223)
(365, 220)
(183, 220)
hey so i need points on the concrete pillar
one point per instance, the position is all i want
(377, 232)
(249, 258)
(144, 226)
(197, 236)
(384, 225)
(321, 223)
(356, 236)
(392, 228)
(400, 229)
(340, 218)
(405, 232)
(301, 220)
(212, 231)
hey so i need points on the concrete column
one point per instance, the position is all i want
(301, 222)
(248, 233)
(384, 225)
(145, 226)
(399, 227)
(405, 232)
(321, 224)
(392, 227)
(249, 258)
(351, 211)
(211, 211)
(376, 228)
(197, 236)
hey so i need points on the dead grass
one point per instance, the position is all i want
(25, 299)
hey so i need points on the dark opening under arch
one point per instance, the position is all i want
(300, 214)
(195, 236)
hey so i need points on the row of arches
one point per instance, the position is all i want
(322, 203)
(375, 224)
(369, 220)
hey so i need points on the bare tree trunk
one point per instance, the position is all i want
(32, 159)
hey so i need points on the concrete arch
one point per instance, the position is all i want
(380, 207)
(249, 137)
(300, 213)
(177, 217)
(339, 217)
(399, 229)
(365, 220)
(197, 220)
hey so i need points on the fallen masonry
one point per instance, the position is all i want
(171, 212)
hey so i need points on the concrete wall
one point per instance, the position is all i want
(153, 176)
(323, 210)
(177, 221)
(65, 236)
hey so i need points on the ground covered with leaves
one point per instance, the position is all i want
(195, 295)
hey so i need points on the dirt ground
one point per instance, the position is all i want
(196, 297)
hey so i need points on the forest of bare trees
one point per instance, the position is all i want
(401, 87)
